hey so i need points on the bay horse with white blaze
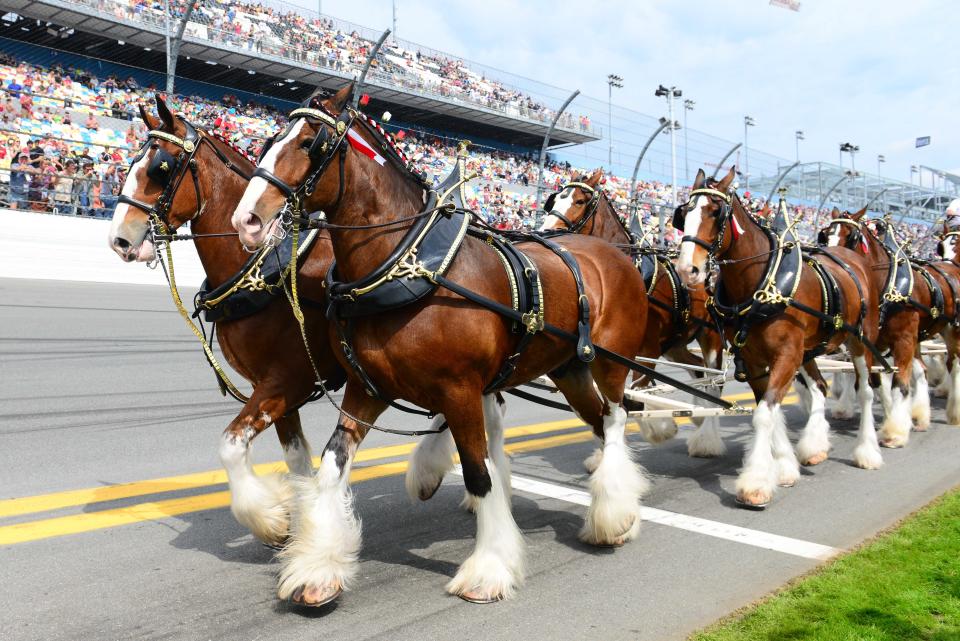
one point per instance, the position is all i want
(763, 288)
(440, 349)
(677, 314)
(185, 174)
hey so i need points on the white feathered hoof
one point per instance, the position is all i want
(657, 430)
(422, 483)
(893, 435)
(813, 451)
(920, 413)
(867, 457)
(320, 558)
(486, 577)
(706, 443)
(592, 462)
(264, 508)
(754, 490)
(615, 490)
(842, 413)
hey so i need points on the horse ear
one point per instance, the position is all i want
(835, 214)
(700, 179)
(724, 184)
(859, 214)
(595, 178)
(165, 114)
(147, 117)
(338, 101)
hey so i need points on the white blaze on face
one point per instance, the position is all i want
(258, 185)
(833, 238)
(949, 247)
(561, 204)
(130, 188)
(691, 225)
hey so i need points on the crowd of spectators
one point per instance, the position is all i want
(322, 42)
(56, 156)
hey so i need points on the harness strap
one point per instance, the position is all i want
(573, 338)
(953, 292)
(527, 396)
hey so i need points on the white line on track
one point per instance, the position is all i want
(746, 536)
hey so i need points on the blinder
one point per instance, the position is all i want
(940, 249)
(549, 202)
(679, 217)
(822, 237)
(163, 166)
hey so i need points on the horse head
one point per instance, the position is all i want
(843, 230)
(703, 220)
(304, 162)
(572, 206)
(154, 188)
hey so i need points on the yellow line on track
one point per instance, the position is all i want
(156, 510)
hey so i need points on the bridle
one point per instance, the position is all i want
(726, 212)
(940, 244)
(321, 152)
(591, 206)
(169, 171)
(852, 239)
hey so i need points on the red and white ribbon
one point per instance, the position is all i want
(361, 145)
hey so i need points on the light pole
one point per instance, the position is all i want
(914, 170)
(395, 18)
(546, 143)
(687, 107)
(799, 135)
(670, 94)
(851, 149)
(880, 160)
(636, 168)
(747, 122)
(613, 80)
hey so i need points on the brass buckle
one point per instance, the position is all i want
(532, 321)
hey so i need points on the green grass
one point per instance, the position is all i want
(903, 585)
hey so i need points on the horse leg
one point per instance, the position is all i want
(576, 385)
(866, 454)
(296, 450)
(432, 458)
(615, 482)
(320, 558)
(920, 407)
(836, 389)
(951, 338)
(655, 430)
(259, 503)
(895, 431)
(706, 441)
(846, 405)
(936, 375)
(493, 424)
(814, 446)
(770, 459)
(495, 568)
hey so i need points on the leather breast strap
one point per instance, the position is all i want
(585, 349)
(528, 300)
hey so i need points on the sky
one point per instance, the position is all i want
(875, 73)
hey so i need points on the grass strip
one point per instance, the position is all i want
(903, 585)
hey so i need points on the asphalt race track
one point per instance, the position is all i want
(114, 525)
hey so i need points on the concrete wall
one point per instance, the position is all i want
(50, 247)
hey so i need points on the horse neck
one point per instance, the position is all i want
(220, 189)
(372, 195)
(606, 225)
(752, 249)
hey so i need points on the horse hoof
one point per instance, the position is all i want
(893, 442)
(477, 596)
(277, 546)
(756, 500)
(315, 596)
(427, 494)
(816, 459)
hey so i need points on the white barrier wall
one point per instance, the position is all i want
(49, 247)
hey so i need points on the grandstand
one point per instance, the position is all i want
(68, 60)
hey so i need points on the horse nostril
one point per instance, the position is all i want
(695, 270)
(121, 243)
